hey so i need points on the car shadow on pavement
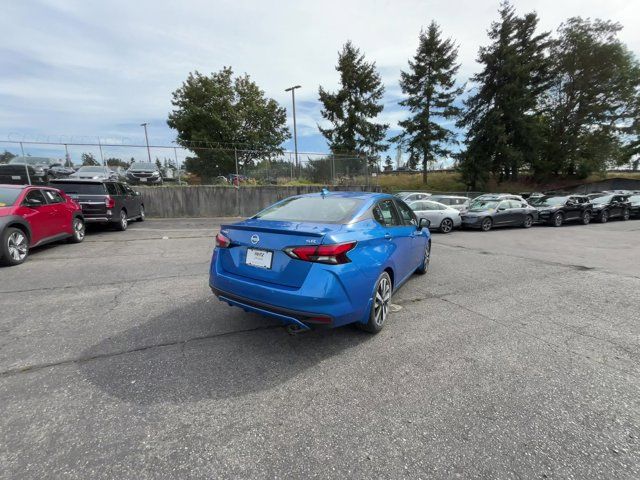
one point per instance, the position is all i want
(256, 356)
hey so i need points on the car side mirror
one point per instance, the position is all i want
(424, 223)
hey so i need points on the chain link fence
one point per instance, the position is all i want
(209, 165)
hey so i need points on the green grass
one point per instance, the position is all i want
(451, 182)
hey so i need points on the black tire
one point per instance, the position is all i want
(486, 224)
(586, 218)
(79, 230)
(123, 221)
(626, 214)
(446, 225)
(14, 249)
(424, 267)
(528, 221)
(379, 308)
(558, 219)
(604, 216)
(142, 214)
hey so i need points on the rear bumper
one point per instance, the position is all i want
(302, 319)
(90, 219)
(322, 300)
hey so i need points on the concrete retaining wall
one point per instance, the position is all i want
(217, 201)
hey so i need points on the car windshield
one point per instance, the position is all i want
(311, 209)
(30, 161)
(548, 201)
(80, 188)
(602, 199)
(92, 169)
(480, 205)
(144, 166)
(8, 196)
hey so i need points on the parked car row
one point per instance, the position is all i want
(40, 170)
(34, 215)
(447, 212)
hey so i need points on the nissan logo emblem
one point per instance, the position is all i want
(255, 239)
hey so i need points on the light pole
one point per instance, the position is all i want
(146, 137)
(295, 131)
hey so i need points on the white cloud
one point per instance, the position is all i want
(103, 67)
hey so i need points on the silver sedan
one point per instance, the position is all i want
(442, 217)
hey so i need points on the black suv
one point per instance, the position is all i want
(635, 204)
(104, 201)
(558, 209)
(610, 205)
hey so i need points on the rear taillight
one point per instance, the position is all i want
(109, 202)
(335, 254)
(222, 241)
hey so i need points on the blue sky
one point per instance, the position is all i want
(74, 71)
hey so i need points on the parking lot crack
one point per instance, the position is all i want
(72, 361)
(106, 284)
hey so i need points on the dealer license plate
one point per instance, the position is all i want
(259, 258)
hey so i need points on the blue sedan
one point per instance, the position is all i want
(326, 259)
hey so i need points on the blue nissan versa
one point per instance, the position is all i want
(325, 259)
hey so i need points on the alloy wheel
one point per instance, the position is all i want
(557, 220)
(78, 229)
(486, 224)
(604, 216)
(427, 257)
(123, 220)
(528, 221)
(382, 300)
(17, 246)
(586, 218)
(625, 214)
(446, 226)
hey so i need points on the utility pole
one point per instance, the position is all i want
(146, 137)
(26, 164)
(295, 131)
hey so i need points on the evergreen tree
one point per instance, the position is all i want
(88, 160)
(592, 104)
(352, 109)
(388, 164)
(431, 92)
(504, 128)
(6, 156)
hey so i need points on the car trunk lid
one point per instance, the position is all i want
(271, 237)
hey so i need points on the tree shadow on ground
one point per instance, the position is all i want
(184, 356)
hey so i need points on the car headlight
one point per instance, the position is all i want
(155, 174)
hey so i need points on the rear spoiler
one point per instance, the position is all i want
(302, 233)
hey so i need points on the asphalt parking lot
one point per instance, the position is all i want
(517, 356)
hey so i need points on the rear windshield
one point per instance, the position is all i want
(312, 209)
(81, 188)
(8, 196)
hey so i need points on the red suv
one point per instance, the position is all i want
(31, 216)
